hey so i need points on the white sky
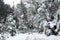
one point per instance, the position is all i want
(15, 2)
(11, 2)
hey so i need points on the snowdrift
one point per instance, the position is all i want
(33, 36)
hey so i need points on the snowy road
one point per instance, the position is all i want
(33, 36)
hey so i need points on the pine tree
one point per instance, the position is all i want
(22, 13)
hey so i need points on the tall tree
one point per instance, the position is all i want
(22, 12)
(4, 10)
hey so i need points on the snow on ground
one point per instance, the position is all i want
(33, 36)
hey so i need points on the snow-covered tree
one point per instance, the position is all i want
(21, 15)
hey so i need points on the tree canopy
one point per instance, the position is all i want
(4, 10)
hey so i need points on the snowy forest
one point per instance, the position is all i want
(33, 17)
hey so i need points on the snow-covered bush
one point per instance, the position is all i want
(52, 28)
